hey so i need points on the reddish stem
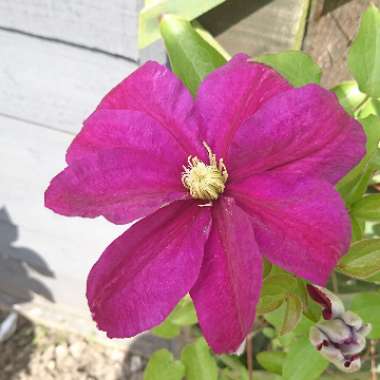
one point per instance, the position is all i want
(250, 356)
(373, 360)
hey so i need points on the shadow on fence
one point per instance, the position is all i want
(330, 5)
(18, 266)
(229, 13)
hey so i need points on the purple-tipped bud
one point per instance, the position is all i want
(332, 305)
(340, 338)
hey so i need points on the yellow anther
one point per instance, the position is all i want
(205, 182)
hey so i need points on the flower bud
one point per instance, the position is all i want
(340, 338)
(332, 305)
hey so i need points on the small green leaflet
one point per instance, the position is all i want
(162, 365)
(272, 361)
(191, 57)
(367, 208)
(364, 54)
(296, 66)
(183, 315)
(303, 361)
(367, 306)
(353, 185)
(199, 362)
(149, 20)
(349, 96)
(363, 259)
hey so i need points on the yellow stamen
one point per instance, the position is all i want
(205, 182)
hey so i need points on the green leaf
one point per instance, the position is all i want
(272, 361)
(236, 369)
(363, 259)
(371, 107)
(268, 303)
(207, 36)
(360, 185)
(191, 57)
(276, 318)
(166, 330)
(199, 363)
(367, 306)
(267, 268)
(184, 314)
(364, 54)
(371, 125)
(149, 24)
(293, 313)
(354, 184)
(162, 365)
(374, 279)
(349, 95)
(274, 290)
(303, 361)
(376, 164)
(226, 374)
(296, 66)
(357, 228)
(367, 208)
(269, 332)
(311, 309)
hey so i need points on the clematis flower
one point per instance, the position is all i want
(244, 171)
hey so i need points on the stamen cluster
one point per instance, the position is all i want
(205, 182)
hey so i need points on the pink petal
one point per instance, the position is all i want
(107, 129)
(302, 131)
(121, 184)
(157, 92)
(228, 286)
(144, 273)
(300, 225)
(231, 94)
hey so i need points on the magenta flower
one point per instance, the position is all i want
(245, 171)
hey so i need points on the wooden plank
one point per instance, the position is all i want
(54, 84)
(256, 27)
(329, 35)
(40, 250)
(106, 25)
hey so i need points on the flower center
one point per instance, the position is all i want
(203, 181)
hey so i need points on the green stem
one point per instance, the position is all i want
(250, 356)
(335, 286)
(361, 104)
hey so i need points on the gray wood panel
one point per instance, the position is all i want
(107, 25)
(40, 251)
(257, 27)
(46, 89)
(52, 83)
(331, 29)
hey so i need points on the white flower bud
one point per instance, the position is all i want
(350, 366)
(352, 319)
(336, 330)
(332, 305)
(365, 330)
(340, 338)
